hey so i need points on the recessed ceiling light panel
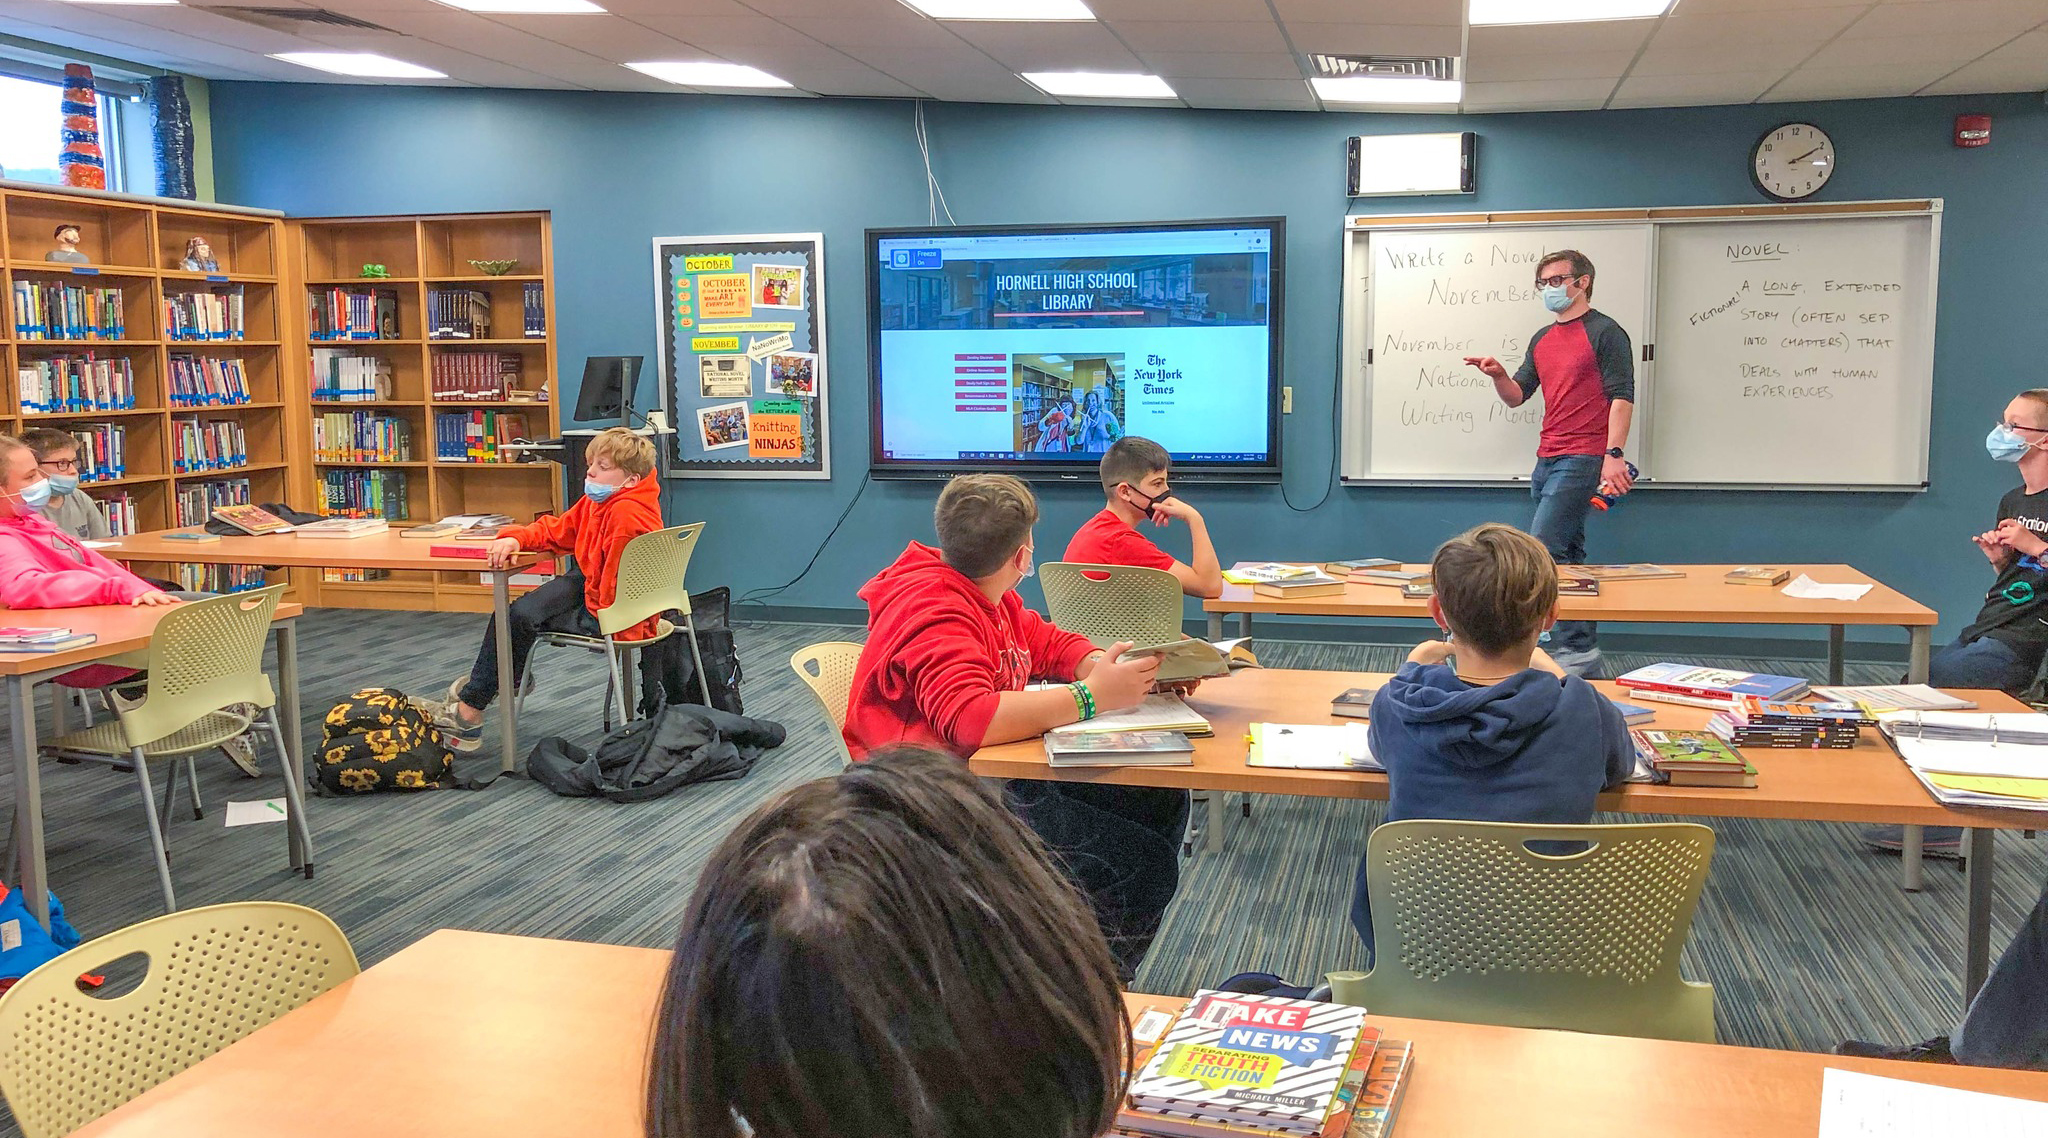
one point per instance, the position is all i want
(1002, 9)
(1564, 11)
(362, 64)
(526, 7)
(1388, 89)
(710, 73)
(1099, 85)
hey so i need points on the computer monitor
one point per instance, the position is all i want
(607, 391)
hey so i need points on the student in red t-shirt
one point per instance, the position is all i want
(1134, 473)
(950, 649)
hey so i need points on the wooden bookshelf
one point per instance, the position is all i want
(422, 255)
(135, 245)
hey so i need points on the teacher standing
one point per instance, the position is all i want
(1585, 365)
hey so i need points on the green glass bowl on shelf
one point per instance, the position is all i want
(496, 268)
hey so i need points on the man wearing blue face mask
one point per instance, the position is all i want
(1585, 365)
(69, 510)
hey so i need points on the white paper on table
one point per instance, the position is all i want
(1808, 589)
(99, 544)
(1855, 1105)
(255, 813)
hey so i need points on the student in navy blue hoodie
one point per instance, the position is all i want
(1483, 725)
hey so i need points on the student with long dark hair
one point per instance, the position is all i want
(887, 953)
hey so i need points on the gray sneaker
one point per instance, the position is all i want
(241, 751)
(1585, 665)
(462, 738)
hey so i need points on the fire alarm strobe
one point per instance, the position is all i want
(1973, 130)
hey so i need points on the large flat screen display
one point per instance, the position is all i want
(1032, 349)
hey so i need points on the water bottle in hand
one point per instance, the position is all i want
(1604, 498)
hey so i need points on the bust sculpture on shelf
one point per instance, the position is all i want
(199, 257)
(67, 236)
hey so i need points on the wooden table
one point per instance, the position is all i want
(120, 629)
(1699, 597)
(378, 551)
(544, 1038)
(1868, 783)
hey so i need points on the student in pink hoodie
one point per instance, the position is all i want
(41, 566)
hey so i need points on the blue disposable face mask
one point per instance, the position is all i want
(1031, 566)
(2005, 444)
(35, 495)
(62, 483)
(1556, 298)
(597, 491)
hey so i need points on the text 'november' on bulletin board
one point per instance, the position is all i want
(743, 354)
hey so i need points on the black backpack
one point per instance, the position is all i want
(376, 740)
(668, 674)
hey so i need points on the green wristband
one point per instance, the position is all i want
(1084, 700)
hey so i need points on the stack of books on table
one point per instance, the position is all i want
(1237, 1066)
(342, 529)
(27, 639)
(1754, 722)
(1069, 748)
(1877, 699)
(1716, 688)
(1273, 579)
(1692, 758)
(1973, 758)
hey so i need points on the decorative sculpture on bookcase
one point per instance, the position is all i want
(173, 114)
(80, 161)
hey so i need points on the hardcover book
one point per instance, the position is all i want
(1757, 575)
(1300, 587)
(1713, 683)
(1355, 703)
(1262, 1061)
(253, 520)
(1685, 750)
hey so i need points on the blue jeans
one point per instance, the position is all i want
(2007, 1024)
(1986, 662)
(1563, 488)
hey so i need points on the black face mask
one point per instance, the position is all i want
(1151, 503)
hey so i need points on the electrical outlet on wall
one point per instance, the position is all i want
(1287, 401)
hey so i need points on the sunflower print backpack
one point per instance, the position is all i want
(376, 740)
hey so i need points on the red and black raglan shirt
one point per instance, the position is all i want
(1582, 366)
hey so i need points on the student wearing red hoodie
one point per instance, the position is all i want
(950, 649)
(621, 500)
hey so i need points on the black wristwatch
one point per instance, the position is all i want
(1614, 452)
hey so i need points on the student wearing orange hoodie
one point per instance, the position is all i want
(950, 650)
(621, 500)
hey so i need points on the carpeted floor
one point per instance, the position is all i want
(1806, 937)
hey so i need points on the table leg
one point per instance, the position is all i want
(1977, 928)
(1909, 858)
(33, 876)
(1212, 836)
(287, 635)
(1919, 644)
(508, 715)
(1215, 626)
(1244, 624)
(1834, 653)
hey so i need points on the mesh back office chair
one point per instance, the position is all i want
(1111, 603)
(1471, 925)
(826, 669)
(215, 974)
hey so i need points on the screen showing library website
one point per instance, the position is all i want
(1033, 349)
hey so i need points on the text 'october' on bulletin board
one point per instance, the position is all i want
(743, 354)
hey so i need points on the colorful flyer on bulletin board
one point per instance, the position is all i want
(743, 354)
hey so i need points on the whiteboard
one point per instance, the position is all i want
(1712, 408)
(1795, 352)
(1431, 297)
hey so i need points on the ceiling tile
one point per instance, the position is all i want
(1001, 87)
(1551, 94)
(1696, 8)
(849, 9)
(907, 31)
(658, 7)
(1377, 39)
(1519, 67)
(1776, 57)
(1984, 78)
(1246, 94)
(1853, 82)
(610, 38)
(1223, 65)
(1048, 47)
(1179, 10)
(1952, 16)
(1693, 90)
(865, 83)
(1560, 39)
(1200, 35)
(1789, 25)
(1441, 12)
(1890, 50)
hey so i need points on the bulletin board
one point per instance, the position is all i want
(742, 321)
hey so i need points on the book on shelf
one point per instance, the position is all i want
(352, 313)
(341, 375)
(102, 451)
(1569, 585)
(52, 310)
(342, 575)
(1159, 712)
(1265, 1062)
(1379, 1101)
(253, 520)
(1189, 658)
(217, 314)
(207, 381)
(1756, 575)
(196, 500)
(342, 529)
(1300, 588)
(1310, 746)
(1894, 697)
(1711, 683)
(219, 578)
(1733, 731)
(199, 445)
(75, 383)
(476, 376)
(534, 307)
(122, 517)
(1354, 703)
(364, 494)
(478, 436)
(361, 436)
(61, 644)
(1118, 749)
(1267, 571)
(1640, 571)
(1359, 564)
(458, 314)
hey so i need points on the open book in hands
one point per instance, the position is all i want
(1189, 658)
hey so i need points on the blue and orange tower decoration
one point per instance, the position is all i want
(80, 161)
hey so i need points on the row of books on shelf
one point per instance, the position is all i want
(50, 310)
(76, 383)
(361, 436)
(1241, 1066)
(476, 375)
(338, 375)
(363, 494)
(534, 310)
(352, 314)
(102, 451)
(477, 436)
(338, 576)
(217, 314)
(458, 314)
(196, 501)
(207, 444)
(208, 381)
(219, 578)
(119, 507)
